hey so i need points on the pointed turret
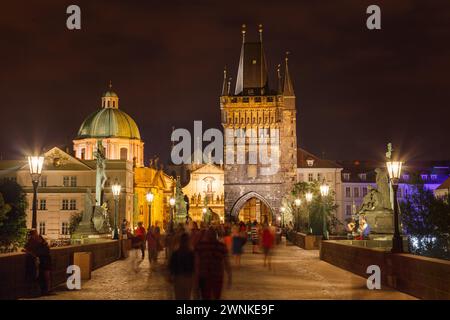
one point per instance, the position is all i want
(279, 82)
(252, 72)
(224, 84)
(288, 89)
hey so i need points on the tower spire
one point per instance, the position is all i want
(110, 85)
(243, 31)
(224, 84)
(260, 31)
(280, 84)
(288, 89)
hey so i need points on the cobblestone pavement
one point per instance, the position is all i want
(295, 274)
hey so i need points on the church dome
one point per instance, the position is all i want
(109, 121)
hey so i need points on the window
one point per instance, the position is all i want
(434, 177)
(348, 210)
(43, 181)
(424, 177)
(363, 176)
(69, 181)
(356, 192)
(310, 177)
(364, 191)
(42, 204)
(310, 162)
(347, 192)
(65, 228)
(406, 177)
(73, 204)
(65, 204)
(83, 153)
(346, 176)
(123, 153)
(319, 177)
(42, 228)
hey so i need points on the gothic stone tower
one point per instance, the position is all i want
(252, 115)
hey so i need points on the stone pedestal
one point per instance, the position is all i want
(380, 222)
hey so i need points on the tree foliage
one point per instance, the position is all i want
(309, 217)
(13, 205)
(426, 219)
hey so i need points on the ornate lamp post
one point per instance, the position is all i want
(324, 191)
(172, 207)
(149, 197)
(35, 163)
(308, 198)
(204, 210)
(297, 203)
(116, 188)
(394, 169)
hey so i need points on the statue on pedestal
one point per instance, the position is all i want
(86, 226)
(376, 207)
(101, 218)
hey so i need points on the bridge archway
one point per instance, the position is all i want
(252, 206)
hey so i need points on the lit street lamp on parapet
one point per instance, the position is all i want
(35, 163)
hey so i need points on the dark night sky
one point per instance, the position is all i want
(356, 89)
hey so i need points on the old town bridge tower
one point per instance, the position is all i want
(260, 147)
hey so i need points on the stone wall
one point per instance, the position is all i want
(13, 282)
(303, 240)
(422, 277)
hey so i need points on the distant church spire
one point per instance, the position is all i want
(288, 89)
(110, 85)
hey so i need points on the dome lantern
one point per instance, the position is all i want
(110, 99)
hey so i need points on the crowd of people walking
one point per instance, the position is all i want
(197, 258)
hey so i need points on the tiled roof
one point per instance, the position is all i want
(306, 159)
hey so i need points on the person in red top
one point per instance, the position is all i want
(140, 235)
(268, 239)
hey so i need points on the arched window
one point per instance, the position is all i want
(83, 154)
(123, 154)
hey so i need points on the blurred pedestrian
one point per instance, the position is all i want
(39, 251)
(140, 234)
(268, 239)
(211, 264)
(152, 247)
(237, 242)
(182, 268)
(255, 236)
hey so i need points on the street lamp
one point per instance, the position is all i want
(308, 197)
(394, 169)
(324, 191)
(298, 203)
(115, 188)
(149, 196)
(35, 163)
(172, 206)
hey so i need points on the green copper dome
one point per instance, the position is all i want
(109, 123)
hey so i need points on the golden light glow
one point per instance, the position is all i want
(394, 169)
(298, 202)
(35, 163)
(324, 190)
(172, 202)
(116, 188)
(308, 196)
(149, 196)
